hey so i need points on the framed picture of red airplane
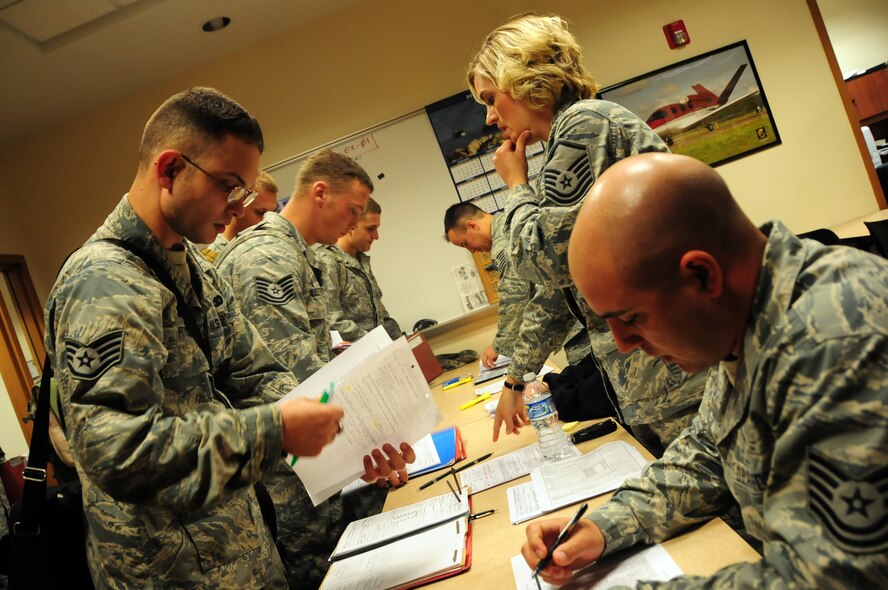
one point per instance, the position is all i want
(711, 107)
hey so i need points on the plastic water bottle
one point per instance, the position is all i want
(544, 417)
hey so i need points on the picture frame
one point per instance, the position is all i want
(711, 107)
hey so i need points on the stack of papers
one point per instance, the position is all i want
(511, 466)
(403, 548)
(557, 484)
(501, 361)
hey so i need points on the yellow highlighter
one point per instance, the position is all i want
(451, 384)
(477, 400)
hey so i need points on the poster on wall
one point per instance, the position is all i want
(711, 107)
(468, 144)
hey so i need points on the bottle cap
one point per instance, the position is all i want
(528, 377)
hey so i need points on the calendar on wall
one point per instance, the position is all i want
(468, 144)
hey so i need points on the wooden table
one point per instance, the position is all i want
(495, 540)
(854, 228)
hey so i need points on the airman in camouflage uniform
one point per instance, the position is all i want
(527, 343)
(794, 421)
(354, 298)
(583, 137)
(168, 438)
(279, 282)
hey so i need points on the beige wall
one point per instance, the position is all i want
(858, 31)
(383, 58)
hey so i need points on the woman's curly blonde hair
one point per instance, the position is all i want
(533, 58)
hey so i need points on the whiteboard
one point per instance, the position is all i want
(411, 260)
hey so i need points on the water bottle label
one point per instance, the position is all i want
(540, 408)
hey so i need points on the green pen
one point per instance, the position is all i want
(325, 398)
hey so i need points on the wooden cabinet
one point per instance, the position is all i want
(869, 93)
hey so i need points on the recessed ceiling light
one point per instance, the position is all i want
(216, 24)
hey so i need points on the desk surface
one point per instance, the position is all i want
(495, 540)
(854, 228)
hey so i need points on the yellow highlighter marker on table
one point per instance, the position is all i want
(455, 383)
(477, 400)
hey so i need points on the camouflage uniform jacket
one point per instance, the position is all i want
(211, 251)
(587, 137)
(528, 342)
(279, 283)
(354, 299)
(166, 467)
(796, 431)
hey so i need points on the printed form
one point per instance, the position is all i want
(386, 399)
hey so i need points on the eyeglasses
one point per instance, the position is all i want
(235, 193)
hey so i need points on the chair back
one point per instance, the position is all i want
(879, 231)
(825, 236)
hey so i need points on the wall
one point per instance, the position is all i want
(382, 58)
(858, 31)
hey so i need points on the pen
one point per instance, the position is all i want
(451, 384)
(472, 402)
(325, 398)
(562, 537)
(452, 470)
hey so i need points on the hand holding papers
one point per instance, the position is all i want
(385, 399)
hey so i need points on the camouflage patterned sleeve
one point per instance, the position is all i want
(334, 289)
(545, 323)
(813, 488)
(132, 438)
(269, 285)
(248, 372)
(587, 138)
(389, 323)
(514, 294)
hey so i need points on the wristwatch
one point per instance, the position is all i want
(514, 386)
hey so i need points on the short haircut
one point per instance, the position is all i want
(372, 208)
(193, 119)
(333, 168)
(265, 182)
(533, 58)
(458, 213)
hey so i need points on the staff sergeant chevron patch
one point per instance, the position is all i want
(278, 292)
(89, 361)
(853, 511)
(568, 174)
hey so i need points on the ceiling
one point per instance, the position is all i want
(60, 59)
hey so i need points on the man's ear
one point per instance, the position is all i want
(167, 166)
(703, 270)
(471, 224)
(320, 191)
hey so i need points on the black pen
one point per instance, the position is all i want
(562, 537)
(452, 470)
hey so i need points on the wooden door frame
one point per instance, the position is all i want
(14, 368)
(850, 111)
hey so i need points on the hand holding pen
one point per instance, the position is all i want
(579, 545)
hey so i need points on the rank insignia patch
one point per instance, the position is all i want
(278, 292)
(568, 175)
(502, 262)
(853, 511)
(89, 361)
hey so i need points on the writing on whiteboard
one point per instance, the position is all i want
(357, 146)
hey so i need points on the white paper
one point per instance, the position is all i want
(565, 482)
(491, 407)
(386, 400)
(494, 388)
(626, 568)
(501, 361)
(523, 503)
(426, 455)
(387, 526)
(468, 284)
(418, 556)
(336, 337)
(494, 472)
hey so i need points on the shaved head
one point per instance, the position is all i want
(662, 251)
(648, 210)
